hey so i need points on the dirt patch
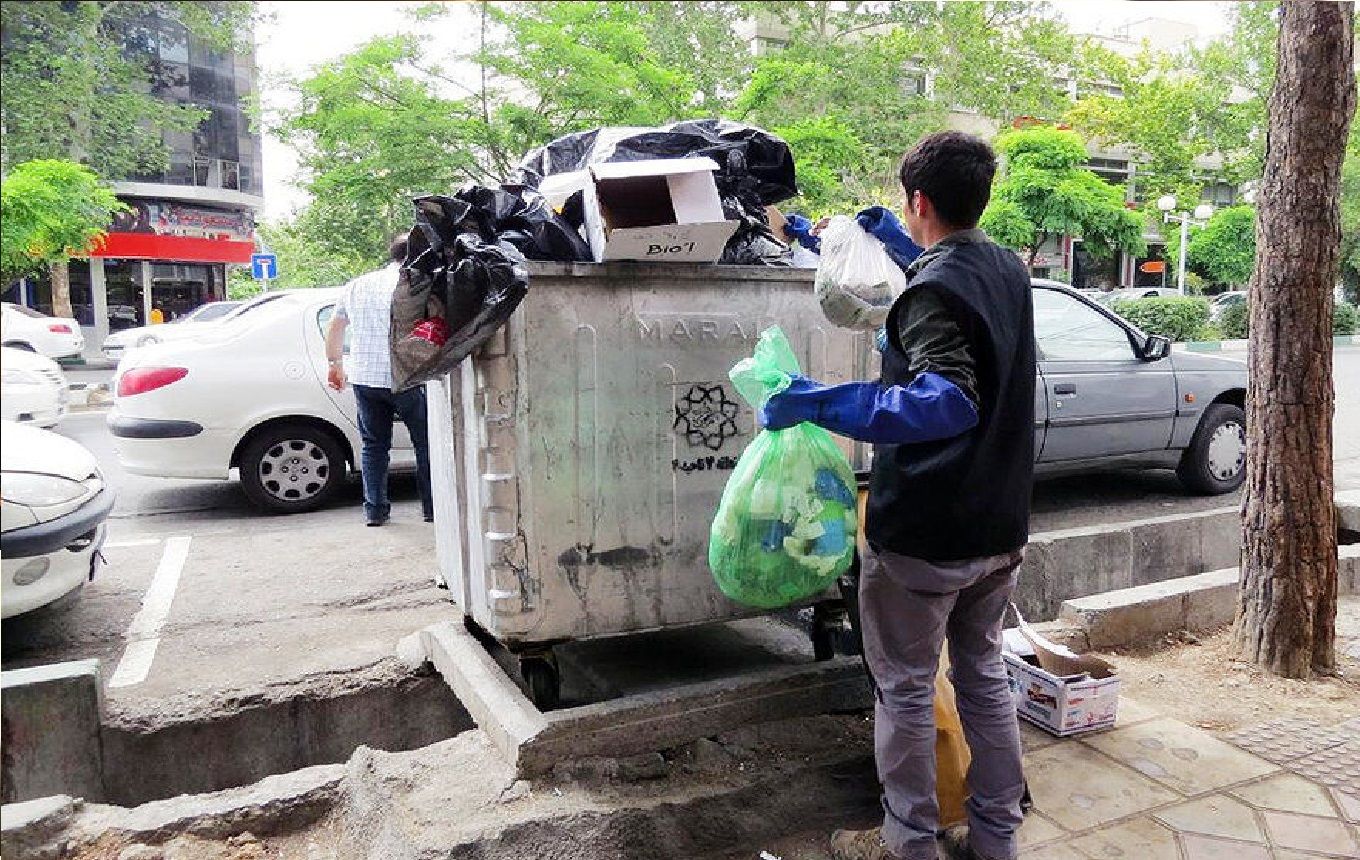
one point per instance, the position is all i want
(1198, 681)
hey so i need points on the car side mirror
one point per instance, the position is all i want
(1156, 347)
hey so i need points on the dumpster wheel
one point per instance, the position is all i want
(829, 633)
(544, 683)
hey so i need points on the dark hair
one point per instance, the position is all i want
(397, 248)
(955, 171)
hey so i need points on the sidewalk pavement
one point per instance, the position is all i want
(1155, 788)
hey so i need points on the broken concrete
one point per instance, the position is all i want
(654, 716)
(35, 828)
(51, 732)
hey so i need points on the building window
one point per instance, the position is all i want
(1219, 194)
(1113, 170)
(914, 81)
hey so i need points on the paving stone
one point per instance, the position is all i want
(1216, 815)
(1211, 848)
(1178, 756)
(1337, 767)
(1289, 738)
(1348, 803)
(1287, 854)
(1132, 840)
(1053, 852)
(1037, 829)
(1287, 792)
(1133, 711)
(1309, 833)
(1079, 788)
(1034, 738)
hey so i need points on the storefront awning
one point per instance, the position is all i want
(180, 249)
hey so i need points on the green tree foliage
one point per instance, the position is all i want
(1233, 321)
(1046, 192)
(395, 118)
(1177, 317)
(1344, 318)
(302, 263)
(50, 210)
(74, 91)
(892, 72)
(1224, 250)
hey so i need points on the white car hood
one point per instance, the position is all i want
(29, 449)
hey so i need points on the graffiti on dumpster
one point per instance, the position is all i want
(706, 416)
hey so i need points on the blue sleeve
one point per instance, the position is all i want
(798, 227)
(929, 409)
(883, 225)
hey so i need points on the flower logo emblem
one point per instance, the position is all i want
(706, 416)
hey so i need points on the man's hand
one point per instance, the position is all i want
(335, 377)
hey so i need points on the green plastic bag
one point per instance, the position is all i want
(786, 525)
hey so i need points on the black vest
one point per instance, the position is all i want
(968, 496)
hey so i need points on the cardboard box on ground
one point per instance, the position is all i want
(1059, 691)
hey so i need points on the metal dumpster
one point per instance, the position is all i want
(579, 456)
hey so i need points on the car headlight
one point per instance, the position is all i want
(35, 491)
(14, 376)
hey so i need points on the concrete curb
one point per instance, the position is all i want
(1198, 604)
(51, 723)
(1240, 344)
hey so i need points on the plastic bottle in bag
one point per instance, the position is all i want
(785, 528)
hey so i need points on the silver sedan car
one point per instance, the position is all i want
(1109, 395)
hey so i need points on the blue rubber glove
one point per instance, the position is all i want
(798, 227)
(884, 226)
(930, 408)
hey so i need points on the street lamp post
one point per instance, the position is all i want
(1202, 213)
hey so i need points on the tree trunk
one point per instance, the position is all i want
(1286, 614)
(61, 289)
(1034, 252)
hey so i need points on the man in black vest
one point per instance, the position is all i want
(952, 420)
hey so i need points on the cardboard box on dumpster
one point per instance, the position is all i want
(665, 210)
(1059, 691)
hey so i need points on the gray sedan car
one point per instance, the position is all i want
(1110, 396)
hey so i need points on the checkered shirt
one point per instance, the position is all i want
(367, 304)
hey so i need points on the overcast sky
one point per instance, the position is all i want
(288, 44)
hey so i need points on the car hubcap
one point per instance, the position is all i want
(1227, 451)
(294, 470)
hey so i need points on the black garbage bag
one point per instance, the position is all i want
(755, 170)
(456, 287)
(518, 215)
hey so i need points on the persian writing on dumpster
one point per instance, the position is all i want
(705, 464)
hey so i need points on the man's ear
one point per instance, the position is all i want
(925, 209)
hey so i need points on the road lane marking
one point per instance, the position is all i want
(143, 634)
(124, 544)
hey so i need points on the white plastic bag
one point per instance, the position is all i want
(857, 281)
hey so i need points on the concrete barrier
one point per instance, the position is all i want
(1126, 616)
(1072, 563)
(50, 721)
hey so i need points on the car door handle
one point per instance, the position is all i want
(1065, 388)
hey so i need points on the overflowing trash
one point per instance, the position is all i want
(857, 281)
(785, 527)
(755, 170)
(460, 282)
(464, 273)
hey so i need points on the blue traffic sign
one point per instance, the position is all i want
(264, 266)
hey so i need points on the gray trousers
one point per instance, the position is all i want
(908, 607)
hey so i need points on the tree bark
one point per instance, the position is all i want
(60, 273)
(1286, 614)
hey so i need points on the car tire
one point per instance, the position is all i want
(292, 468)
(18, 344)
(1215, 462)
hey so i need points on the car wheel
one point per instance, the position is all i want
(291, 468)
(18, 344)
(1216, 461)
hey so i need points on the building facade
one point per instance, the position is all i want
(187, 223)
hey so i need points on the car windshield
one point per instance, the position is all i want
(259, 302)
(210, 312)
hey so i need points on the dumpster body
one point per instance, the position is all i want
(580, 454)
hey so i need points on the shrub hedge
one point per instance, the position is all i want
(1177, 317)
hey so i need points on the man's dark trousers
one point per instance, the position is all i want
(377, 408)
